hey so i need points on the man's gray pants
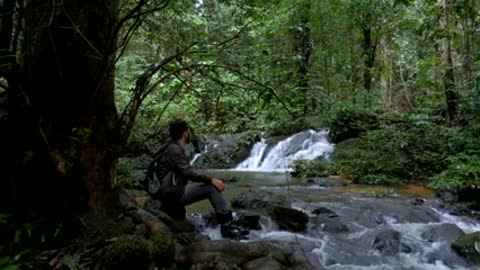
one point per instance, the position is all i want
(198, 192)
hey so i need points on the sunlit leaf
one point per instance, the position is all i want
(21, 254)
(29, 228)
(69, 261)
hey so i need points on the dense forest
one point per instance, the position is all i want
(87, 88)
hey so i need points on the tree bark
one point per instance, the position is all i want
(369, 50)
(303, 49)
(451, 95)
(468, 30)
(63, 114)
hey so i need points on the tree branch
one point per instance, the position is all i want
(142, 90)
(138, 14)
(250, 79)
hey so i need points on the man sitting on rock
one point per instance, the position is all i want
(173, 159)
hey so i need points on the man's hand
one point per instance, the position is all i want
(218, 184)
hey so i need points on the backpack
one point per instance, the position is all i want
(156, 187)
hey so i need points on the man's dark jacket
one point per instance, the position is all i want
(173, 157)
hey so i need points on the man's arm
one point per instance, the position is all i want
(181, 163)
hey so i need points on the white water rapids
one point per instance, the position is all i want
(365, 216)
(352, 250)
(306, 145)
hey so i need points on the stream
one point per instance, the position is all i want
(377, 227)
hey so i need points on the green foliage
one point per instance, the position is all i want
(319, 167)
(349, 122)
(379, 179)
(385, 192)
(412, 149)
(15, 262)
(131, 170)
(464, 170)
(275, 67)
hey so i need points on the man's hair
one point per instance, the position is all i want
(177, 127)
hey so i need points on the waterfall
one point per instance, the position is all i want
(255, 158)
(307, 145)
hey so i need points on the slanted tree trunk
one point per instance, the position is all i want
(62, 113)
(451, 95)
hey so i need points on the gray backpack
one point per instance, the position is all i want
(155, 186)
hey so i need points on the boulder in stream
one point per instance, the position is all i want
(257, 200)
(323, 211)
(468, 246)
(224, 254)
(288, 218)
(443, 232)
(225, 152)
(326, 182)
(388, 242)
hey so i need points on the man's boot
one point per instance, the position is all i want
(228, 229)
(224, 218)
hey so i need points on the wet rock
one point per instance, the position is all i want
(379, 219)
(233, 232)
(448, 196)
(233, 253)
(256, 200)
(247, 220)
(448, 256)
(186, 239)
(288, 219)
(388, 242)
(324, 212)
(225, 152)
(465, 247)
(217, 265)
(469, 195)
(326, 182)
(418, 201)
(264, 263)
(330, 225)
(443, 232)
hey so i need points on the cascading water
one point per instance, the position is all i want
(307, 145)
(371, 233)
(367, 232)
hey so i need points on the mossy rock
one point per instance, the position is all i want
(163, 247)
(264, 263)
(465, 247)
(128, 252)
(257, 200)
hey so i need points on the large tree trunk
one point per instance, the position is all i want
(468, 31)
(62, 113)
(302, 47)
(369, 50)
(449, 76)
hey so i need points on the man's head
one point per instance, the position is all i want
(179, 129)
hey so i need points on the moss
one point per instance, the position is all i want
(128, 252)
(163, 247)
